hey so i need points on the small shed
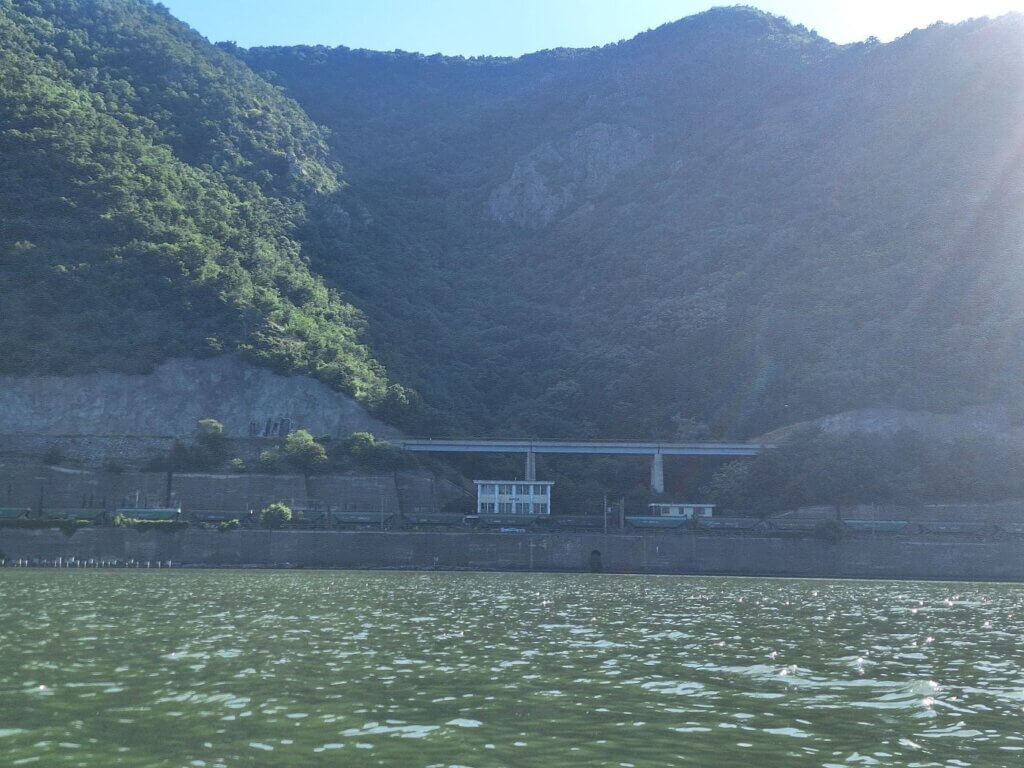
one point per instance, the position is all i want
(684, 510)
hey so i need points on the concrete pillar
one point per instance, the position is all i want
(531, 466)
(658, 473)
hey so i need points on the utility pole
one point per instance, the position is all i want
(604, 511)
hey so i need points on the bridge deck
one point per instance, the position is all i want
(606, 447)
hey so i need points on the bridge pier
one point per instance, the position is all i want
(531, 466)
(658, 473)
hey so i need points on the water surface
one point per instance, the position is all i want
(204, 668)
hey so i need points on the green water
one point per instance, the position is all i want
(180, 668)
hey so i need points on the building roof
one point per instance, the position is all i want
(680, 504)
(514, 482)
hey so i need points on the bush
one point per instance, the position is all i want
(229, 525)
(269, 461)
(237, 465)
(275, 515)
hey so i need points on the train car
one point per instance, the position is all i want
(430, 520)
(155, 513)
(363, 520)
(874, 527)
(496, 522)
(574, 523)
(218, 516)
(91, 515)
(958, 528)
(744, 525)
(795, 526)
(662, 522)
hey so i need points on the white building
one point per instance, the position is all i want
(501, 497)
(685, 510)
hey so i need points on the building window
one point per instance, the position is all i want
(487, 508)
(487, 488)
(522, 508)
(540, 509)
(505, 508)
(506, 489)
(522, 490)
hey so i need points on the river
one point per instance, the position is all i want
(298, 668)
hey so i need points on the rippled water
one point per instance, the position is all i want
(179, 668)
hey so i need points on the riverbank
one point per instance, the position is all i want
(854, 557)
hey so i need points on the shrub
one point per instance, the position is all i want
(269, 461)
(237, 465)
(275, 515)
(229, 525)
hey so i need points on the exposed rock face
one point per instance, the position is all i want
(167, 403)
(992, 420)
(557, 175)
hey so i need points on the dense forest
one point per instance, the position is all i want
(717, 228)
(720, 226)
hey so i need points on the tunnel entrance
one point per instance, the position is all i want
(595, 561)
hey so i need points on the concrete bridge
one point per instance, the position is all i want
(657, 451)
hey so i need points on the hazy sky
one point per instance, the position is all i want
(512, 27)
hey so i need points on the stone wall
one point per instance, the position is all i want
(685, 554)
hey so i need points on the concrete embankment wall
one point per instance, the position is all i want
(62, 488)
(851, 558)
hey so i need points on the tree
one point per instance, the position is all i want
(304, 452)
(269, 461)
(369, 452)
(275, 515)
(211, 445)
(729, 487)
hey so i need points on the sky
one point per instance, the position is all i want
(514, 27)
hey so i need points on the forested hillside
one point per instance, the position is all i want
(150, 191)
(720, 226)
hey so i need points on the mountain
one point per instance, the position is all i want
(720, 227)
(724, 225)
(151, 187)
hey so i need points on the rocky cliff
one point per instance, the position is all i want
(248, 400)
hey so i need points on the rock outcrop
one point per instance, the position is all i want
(978, 421)
(556, 176)
(248, 400)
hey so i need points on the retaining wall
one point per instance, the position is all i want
(693, 554)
